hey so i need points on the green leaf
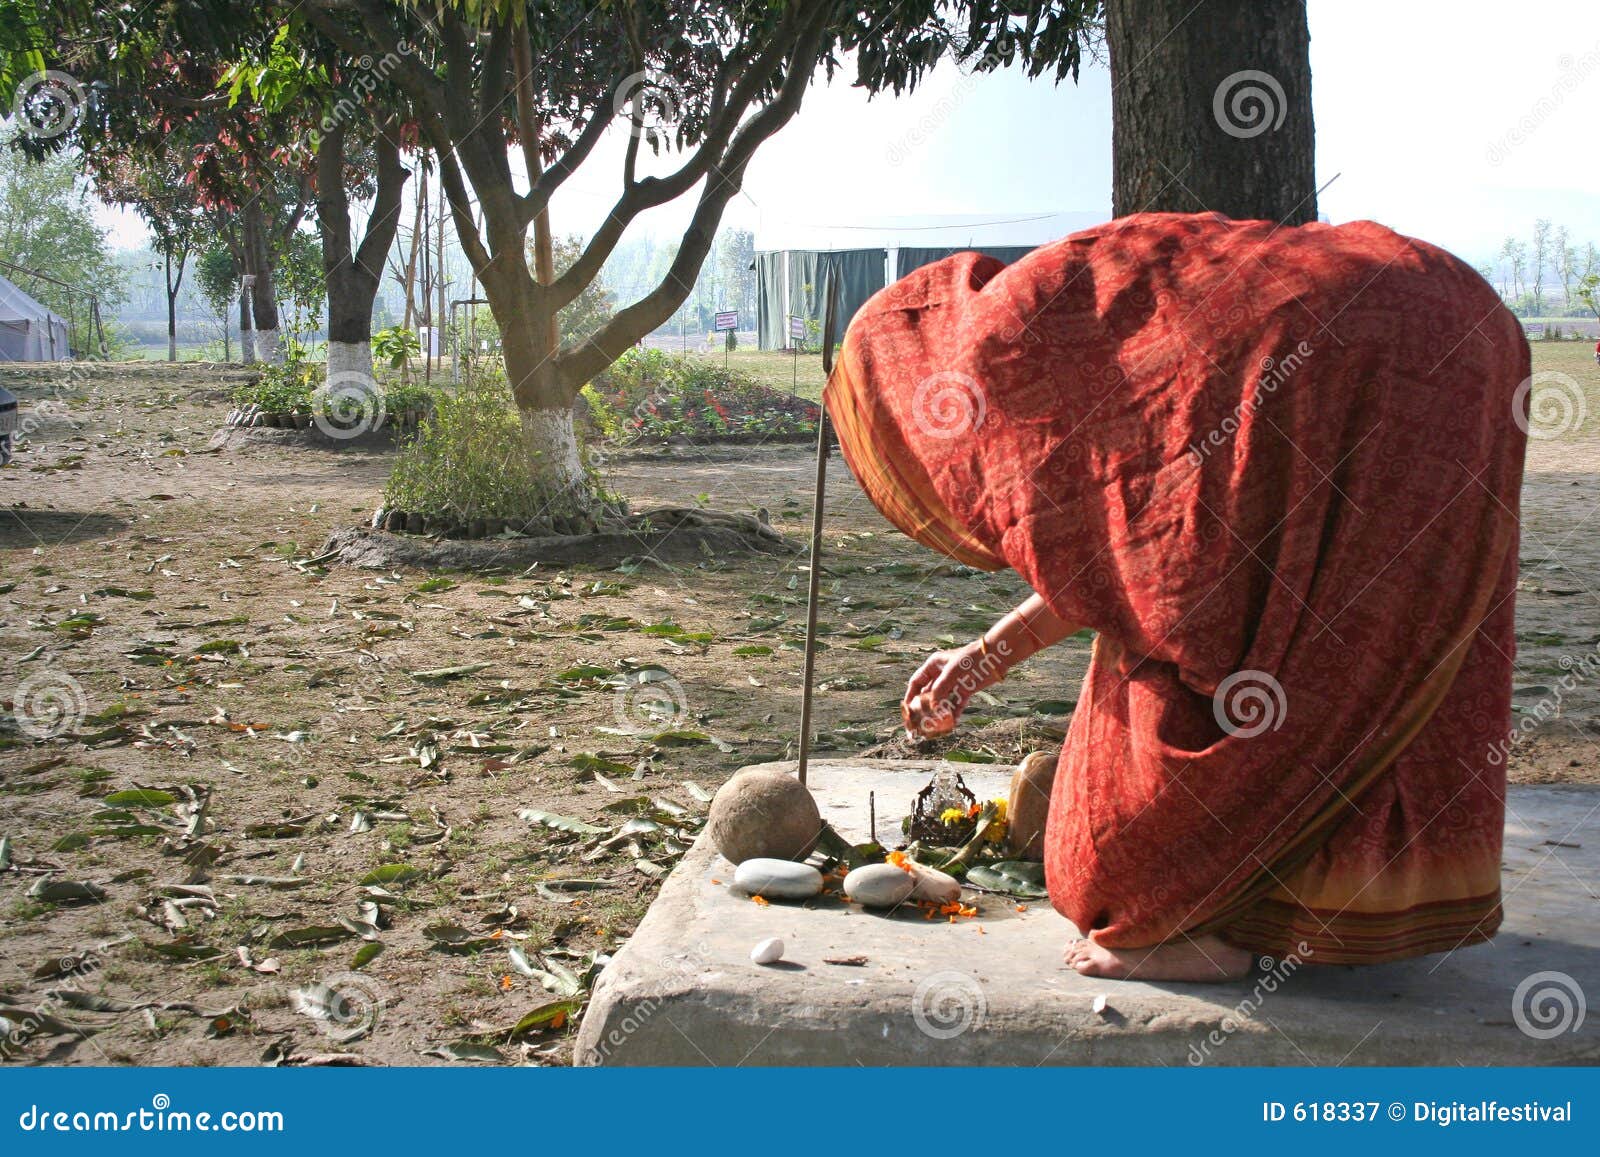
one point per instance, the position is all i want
(366, 954)
(386, 874)
(583, 673)
(560, 823)
(679, 738)
(553, 1014)
(962, 755)
(140, 797)
(310, 936)
(66, 892)
(1012, 877)
(443, 674)
(583, 761)
(434, 585)
(219, 647)
(1054, 706)
(752, 649)
(452, 937)
(182, 950)
(466, 1050)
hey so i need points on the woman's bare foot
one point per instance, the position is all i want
(1202, 958)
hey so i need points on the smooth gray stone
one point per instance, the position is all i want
(879, 885)
(778, 879)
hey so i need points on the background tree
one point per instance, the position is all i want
(1539, 261)
(298, 279)
(356, 138)
(1211, 109)
(153, 187)
(47, 225)
(217, 278)
(705, 83)
(588, 313)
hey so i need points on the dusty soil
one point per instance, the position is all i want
(159, 590)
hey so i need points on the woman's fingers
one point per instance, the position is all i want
(924, 675)
(956, 683)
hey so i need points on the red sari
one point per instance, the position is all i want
(1277, 471)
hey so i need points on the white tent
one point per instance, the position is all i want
(28, 331)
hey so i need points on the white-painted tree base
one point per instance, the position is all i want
(552, 444)
(350, 364)
(268, 348)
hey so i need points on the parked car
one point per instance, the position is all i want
(8, 423)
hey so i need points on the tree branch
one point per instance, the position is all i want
(637, 197)
(574, 367)
(386, 206)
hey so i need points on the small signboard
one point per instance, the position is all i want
(727, 319)
(797, 328)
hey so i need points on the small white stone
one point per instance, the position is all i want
(932, 884)
(769, 951)
(1100, 1003)
(777, 879)
(879, 885)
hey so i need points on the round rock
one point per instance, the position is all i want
(778, 879)
(879, 885)
(769, 951)
(763, 813)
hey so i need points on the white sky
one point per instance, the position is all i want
(1413, 99)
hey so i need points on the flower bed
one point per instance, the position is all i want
(651, 396)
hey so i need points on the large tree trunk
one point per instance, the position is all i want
(1211, 109)
(544, 402)
(353, 273)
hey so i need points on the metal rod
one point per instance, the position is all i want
(813, 590)
(819, 491)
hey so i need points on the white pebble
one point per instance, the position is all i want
(769, 951)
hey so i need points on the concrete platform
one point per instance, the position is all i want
(992, 990)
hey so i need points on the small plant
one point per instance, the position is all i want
(468, 459)
(282, 389)
(400, 397)
(395, 346)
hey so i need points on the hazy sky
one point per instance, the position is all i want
(1457, 121)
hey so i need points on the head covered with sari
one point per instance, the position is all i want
(1277, 471)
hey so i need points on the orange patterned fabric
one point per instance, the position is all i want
(1277, 470)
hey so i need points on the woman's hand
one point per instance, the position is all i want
(939, 691)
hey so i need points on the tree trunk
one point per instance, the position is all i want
(1211, 110)
(172, 288)
(353, 274)
(247, 332)
(544, 403)
(263, 302)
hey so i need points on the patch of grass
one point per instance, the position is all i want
(468, 460)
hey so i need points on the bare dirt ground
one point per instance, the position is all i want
(261, 791)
